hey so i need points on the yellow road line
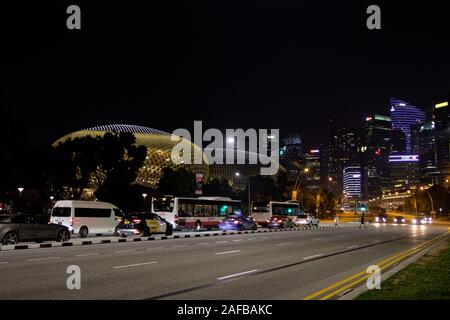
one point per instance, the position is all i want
(381, 263)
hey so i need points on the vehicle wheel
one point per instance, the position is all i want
(10, 238)
(146, 232)
(63, 236)
(83, 233)
(169, 230)
(255, 227)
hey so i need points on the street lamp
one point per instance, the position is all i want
(306, 170)
(144, 195)
(237, 174)
(20, 191)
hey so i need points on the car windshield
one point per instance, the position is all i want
(61, 212)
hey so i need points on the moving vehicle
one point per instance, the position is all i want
(380, 218)
(197, 213)
(280, 222)
(306, 219)
(427, 218)
(399, 220)
(27, 227)
(418, 220)
(87, 217)
(144, 224)
(263, 211)
(238, 222)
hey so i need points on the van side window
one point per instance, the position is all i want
(92, 213)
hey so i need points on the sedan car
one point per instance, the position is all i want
(418, 220)
(306, 220)
(143, 224)
(380, 219)
(239, 222)
(27, 227)
(280, 222)
(399, 220)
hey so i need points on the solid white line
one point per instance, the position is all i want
(86, 254)
(237, 240)
(41, 259)
(226, 252)
(135, 265)
(317, 239)
(283, 244)
(202, 243)
(155, 248)
(351, 247)
(236, 274)
(221, 241)
(124, 251)
(3, 262)
(314, 256)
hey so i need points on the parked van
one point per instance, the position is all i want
(87, 217)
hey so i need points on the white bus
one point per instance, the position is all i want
(198, 213)
(87, 217)
(262, 211)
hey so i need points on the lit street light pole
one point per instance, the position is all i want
(20, 197)
(144, 195)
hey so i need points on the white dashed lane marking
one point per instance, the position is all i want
(227, 252)
(314, 256)
(236, 274)
(135, 265)
(42, 259)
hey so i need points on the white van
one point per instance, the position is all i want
(87, 217)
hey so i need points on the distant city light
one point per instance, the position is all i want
(441, 105)
(315, 151)
(404, 158)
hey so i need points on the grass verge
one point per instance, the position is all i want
(426, 279)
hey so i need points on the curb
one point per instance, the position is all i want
(151, 238)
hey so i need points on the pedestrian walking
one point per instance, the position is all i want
(363, 221)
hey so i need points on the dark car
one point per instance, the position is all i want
(238, 222)
(380, 218)
(27, 227)
(399, 220)
(143, 224)
(280, 222)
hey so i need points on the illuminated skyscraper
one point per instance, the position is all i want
(404, 115)
(352, 182)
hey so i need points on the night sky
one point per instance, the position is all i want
(259, 64)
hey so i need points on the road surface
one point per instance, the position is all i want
(275, 265)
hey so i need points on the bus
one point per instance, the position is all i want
(262, 211)
(198, 213)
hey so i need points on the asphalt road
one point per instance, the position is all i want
(276, 265)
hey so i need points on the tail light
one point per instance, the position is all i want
(236, 222)
(136, 221)
(268, 220)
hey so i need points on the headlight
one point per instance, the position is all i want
(377, 219)
(414, 221)
(395, 220)
(422, 221)
(384, 219)
(403, 220)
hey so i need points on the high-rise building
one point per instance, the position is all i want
(312, 163)
(404, 170)
(426, 142)
(342, 152)
(404, 115)
(441, 113)
(352, 183)
(374, 153)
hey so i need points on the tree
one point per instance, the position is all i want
(180, 182)
(108, 163)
